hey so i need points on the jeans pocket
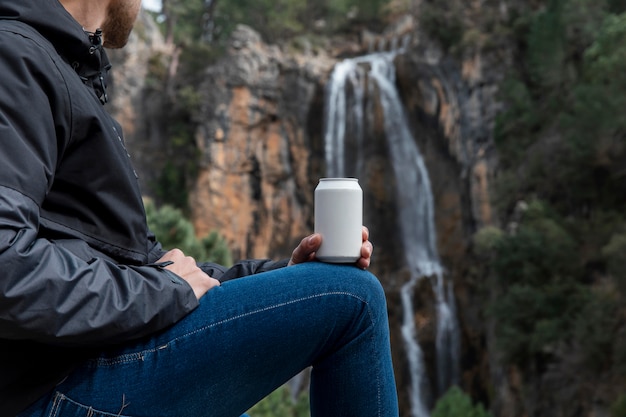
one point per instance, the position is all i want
(63, 406)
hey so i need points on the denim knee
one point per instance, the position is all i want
(358, 282)
(372, 291)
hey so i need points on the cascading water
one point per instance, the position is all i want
(374, 75)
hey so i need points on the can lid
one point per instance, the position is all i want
(339, 179)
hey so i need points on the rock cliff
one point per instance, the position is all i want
(257, 162)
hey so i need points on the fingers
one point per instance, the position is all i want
(366, 255)
(309, 245)
(366, 250)
(181, 264)
(186, 268)
(306, 249)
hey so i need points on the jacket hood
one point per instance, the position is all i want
(82, 50)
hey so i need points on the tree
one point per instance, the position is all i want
(173, 230)
(455, 403)
(280, 404)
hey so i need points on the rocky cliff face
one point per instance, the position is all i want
(257, 168)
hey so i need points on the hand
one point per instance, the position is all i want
(186, 268)
(305, 251)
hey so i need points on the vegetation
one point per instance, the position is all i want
(192, 21)
(280, 404)
(455, 403)
(559, 269)
(618, 409)
(173, 230)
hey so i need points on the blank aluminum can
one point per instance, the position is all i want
(339, 219)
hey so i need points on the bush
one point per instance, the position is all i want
(455, 403)
(619, 352)
(595, 330)
(613, 254)
(486, 240)
(618, 409)
(443, 21)
(541, 250)
(532, 320)
(540, 289)
(280, 404)
(173, 230)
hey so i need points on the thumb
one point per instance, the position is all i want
(305, 250)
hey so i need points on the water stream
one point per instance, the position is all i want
(373, 75)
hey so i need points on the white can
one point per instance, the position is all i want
(339, 219)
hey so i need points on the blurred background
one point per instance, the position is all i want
(488, 137)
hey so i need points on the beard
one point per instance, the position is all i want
(121, 17)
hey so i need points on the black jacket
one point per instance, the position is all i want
(76, 257)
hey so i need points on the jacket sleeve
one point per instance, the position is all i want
(252, 266)
(49, 294)
(220, 272)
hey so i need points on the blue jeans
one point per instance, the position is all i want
(247, 338)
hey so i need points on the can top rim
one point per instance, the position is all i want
(339, 179)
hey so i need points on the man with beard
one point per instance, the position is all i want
(95, 318)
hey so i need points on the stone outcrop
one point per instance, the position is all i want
(257, 166)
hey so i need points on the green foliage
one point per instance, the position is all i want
(540, 250)
(173, 230)
(455, 403)
(515, 128)
(180, 170)
(618, 408)
(595, 330)
(486, 240)
(619, 352)
(272, 18)
(157, 70)
(280, 404)
(195, 58)
(277, 20)
(605, 59)
(171, 185)
(565, 91)
(617, 6)
(184, 20)
(532, 321)
(340, 12)
(559, 274)
(542, 294)
(613, 254)
(443, 21)
(216, 249)
(547, 52)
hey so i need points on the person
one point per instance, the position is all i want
(96, 319)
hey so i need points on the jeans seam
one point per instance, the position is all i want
(60, 397)
(56, 403)
(378, 379)
(139, 356)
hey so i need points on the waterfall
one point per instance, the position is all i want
(373, 75)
